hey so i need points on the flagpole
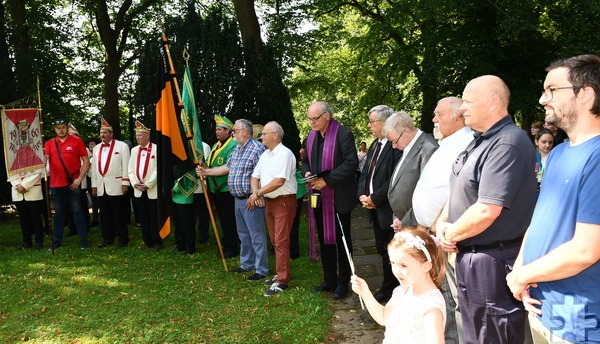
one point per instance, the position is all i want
(45, 174)
(190, 136)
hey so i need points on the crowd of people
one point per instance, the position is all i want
(475, 225)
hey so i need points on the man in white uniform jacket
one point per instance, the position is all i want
(143, 178)
(28, 198)
(110, 182)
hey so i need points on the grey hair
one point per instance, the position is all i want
(325, 107)
(398, 122)
(454, 103)
(382, 112)
(246, 125)
(277, 128)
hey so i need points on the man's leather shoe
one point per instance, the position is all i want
(323, 287)
(383, 296)
(340, 292)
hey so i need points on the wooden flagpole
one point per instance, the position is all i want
(46, 182)
(190, 135)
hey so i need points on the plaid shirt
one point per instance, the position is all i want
(241, 164)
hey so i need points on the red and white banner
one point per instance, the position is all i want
(23, 146)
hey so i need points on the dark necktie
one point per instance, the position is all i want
(371, 169)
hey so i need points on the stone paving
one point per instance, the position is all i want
(351, 324)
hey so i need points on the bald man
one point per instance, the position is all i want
(492, 196)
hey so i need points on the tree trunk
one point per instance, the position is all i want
(21, 43)
(7, 78)
(110, 111)
(248, 22)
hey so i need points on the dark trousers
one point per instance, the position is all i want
(113, 222)
(148, 216)
(336, 268)
(66, 198)
(202, 216)
(70, 219)
(295, 234)
(489, 312)
(30, 218)
(383, 234)
(225, 204)
(185, 233)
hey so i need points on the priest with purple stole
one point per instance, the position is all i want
(331, 158)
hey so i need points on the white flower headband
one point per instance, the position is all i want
(416, 242)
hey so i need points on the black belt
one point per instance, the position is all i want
(499, 244)
(244, 196)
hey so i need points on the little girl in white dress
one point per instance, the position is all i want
(416, 313)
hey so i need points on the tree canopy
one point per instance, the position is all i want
(269, 59)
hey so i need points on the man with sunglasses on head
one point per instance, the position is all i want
(68, 164)
(492, 195)
(249, 216)
(331, 157)
(557, 273)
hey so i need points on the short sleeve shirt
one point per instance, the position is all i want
(241, 164)
(569, 195)
(277, 163)
(72, 149)
(498, 169)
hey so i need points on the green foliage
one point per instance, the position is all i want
(142, 296)
(409, 54)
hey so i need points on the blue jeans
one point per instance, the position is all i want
(63, 198)
(253, 237)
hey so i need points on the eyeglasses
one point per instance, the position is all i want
(375, 121)
(395, 142)
(234, 130)
(313, 120)
(265, 133)
(438, 115)
(548, 93)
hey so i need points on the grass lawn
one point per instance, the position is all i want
(134, 295)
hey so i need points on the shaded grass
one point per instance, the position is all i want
(134, 295)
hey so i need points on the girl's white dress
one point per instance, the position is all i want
(405, 322)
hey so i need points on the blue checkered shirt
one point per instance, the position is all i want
(241, 164)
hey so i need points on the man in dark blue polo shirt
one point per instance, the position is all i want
(491, 201)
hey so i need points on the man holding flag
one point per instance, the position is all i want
(217, 182)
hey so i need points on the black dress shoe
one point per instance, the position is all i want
(341, 292)
(240, 270)
(105, 244)
(383, 296)
(323, 287)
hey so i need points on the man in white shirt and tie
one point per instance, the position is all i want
(143, 178)
(110, 182)
(372, 193)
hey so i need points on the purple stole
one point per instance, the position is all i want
(327, 193)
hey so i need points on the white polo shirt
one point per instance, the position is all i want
(279, 162)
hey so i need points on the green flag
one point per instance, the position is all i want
(189, 104)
